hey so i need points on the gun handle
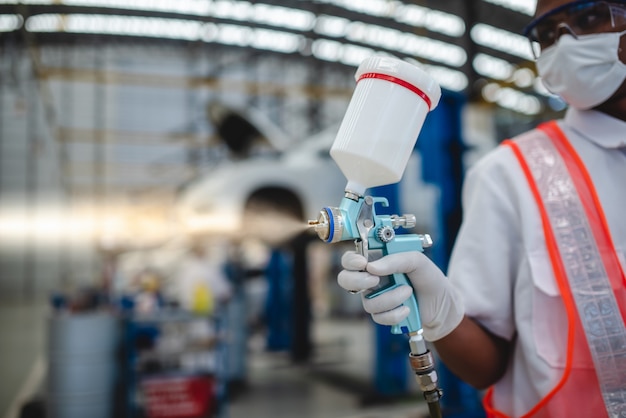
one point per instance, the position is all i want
(411, 323)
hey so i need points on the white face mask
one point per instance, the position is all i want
(584, 71)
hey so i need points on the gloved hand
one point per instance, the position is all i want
(441, 308)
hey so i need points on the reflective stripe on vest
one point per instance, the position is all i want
(586, 269)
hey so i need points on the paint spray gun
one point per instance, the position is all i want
(372, 148)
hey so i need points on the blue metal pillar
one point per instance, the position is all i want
(278, 303)
(236, 319)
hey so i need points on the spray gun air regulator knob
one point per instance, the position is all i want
(385, 234)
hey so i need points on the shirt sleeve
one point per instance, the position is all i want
(488, 248)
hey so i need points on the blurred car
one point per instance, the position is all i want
(271, 195)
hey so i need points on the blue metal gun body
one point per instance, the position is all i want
(375, 233)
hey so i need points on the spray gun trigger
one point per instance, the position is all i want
(358, 244)
(365, 222)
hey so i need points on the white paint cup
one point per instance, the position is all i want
(383, 120)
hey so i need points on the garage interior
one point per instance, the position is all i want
(124, 124)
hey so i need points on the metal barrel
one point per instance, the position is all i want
(82, 365)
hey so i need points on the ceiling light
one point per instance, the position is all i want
(381, 8)
(492, 67)
(334, 51)
(116, 25)
(244, 11)
(406, 43)
(511, 99)
(447, 78)
(234, 35)
(226, 34)
(283, 17)
(194, 7)
(9, 23)
(331, 26)
(523, 77)
(501, 40)
(523, 6)
(433, 20)
(277, 41)
(490, 92)
(410, 14)
(355, 55)
(235, 10)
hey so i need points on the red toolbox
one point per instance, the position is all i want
(179, 396)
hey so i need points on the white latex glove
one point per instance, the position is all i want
(441, 309)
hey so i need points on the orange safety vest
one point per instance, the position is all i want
(579, 392)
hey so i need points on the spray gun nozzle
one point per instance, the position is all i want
(328, 225)
(320, 225)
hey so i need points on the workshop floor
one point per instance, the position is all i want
(22, 363)
(333, 385)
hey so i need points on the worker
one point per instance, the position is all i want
(201, 282)
(534, 303)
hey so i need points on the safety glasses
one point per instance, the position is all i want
(577, 18)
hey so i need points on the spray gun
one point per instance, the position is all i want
(356, 219)
(372, 147)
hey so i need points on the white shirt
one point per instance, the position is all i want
(500, 262)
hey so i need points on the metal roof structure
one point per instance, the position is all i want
(466, 45)
(105, 104)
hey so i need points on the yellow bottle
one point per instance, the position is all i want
(202, 302)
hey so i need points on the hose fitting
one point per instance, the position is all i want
(423, 366)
